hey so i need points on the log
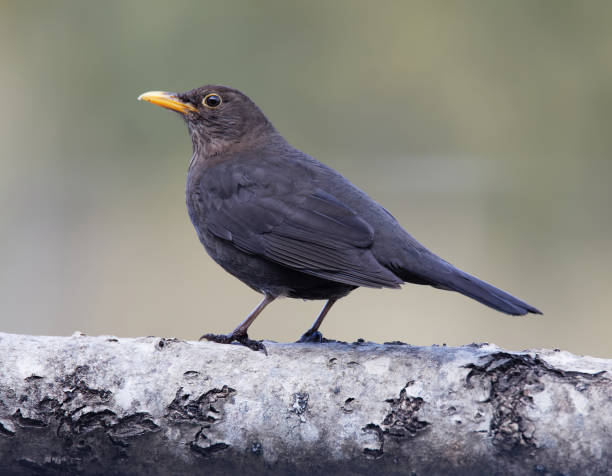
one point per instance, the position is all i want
(107, 405)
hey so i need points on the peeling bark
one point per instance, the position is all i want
(102, 405)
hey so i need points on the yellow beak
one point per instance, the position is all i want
(167, 100)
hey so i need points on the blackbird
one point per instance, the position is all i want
(287, 225)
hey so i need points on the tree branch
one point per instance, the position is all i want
(102, 405)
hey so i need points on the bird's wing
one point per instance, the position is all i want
(312, 232)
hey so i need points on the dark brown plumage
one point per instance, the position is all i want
(288, 225)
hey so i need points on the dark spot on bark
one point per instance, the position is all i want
(33, 378)
(199, 409)
(395, 342)
(191, 374)
(581, 386)
(204, 447)
(86, 422)
(48, 405)
(119, 430)
(477, 345)
(207, 451)
(257, 448)
(83, 448)
(206, 410)
(112, 339)
(359, 341)
(28, 421)
(166, 342)
(132, 425)
(79, 390)
(352, 364)
(401, 422)
(32, 414)
(348, 405)
(377, 430)
(300, 403)
(332, 362)
(512, 380)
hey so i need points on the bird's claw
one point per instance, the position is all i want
(218, 338)
(242, 339)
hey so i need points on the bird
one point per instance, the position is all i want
(288, 225)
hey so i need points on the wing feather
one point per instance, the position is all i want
(314, 233)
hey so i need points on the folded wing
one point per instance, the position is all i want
(313, 233)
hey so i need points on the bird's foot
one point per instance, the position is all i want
(312, 338)
(242, 339)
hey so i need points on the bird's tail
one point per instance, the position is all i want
(487, 294)
(441, 274)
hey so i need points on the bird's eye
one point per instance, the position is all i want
(212, 100)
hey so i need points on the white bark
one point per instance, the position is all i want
(102, 405)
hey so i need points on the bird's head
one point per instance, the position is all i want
(219, 118)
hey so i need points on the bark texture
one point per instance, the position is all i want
(103, 405)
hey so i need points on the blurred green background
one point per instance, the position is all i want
(484, 126)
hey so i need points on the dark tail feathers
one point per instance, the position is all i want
(485, 293)
(439, 273)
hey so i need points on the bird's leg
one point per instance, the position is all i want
(313, 334)
(240, 333)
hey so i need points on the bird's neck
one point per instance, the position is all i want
(207, 148)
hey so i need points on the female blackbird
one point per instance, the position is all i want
(287, 225)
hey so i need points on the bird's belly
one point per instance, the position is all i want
(268, 277)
